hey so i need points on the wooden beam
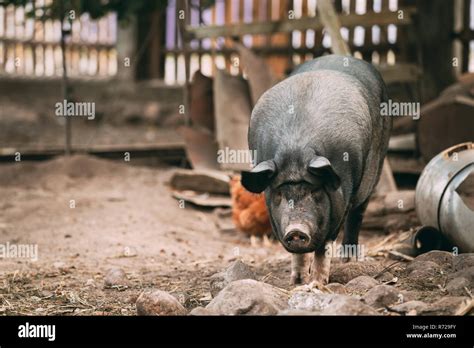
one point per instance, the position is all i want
(331, 22)
(289, 25)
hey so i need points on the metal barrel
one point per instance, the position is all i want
(439, 203)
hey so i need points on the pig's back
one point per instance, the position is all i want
(357, 68)
(331, 112)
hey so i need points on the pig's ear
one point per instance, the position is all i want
(322, 168)
(259, 177)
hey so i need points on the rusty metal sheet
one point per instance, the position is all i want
(202, 102)
(232, 112)
(258, 71)
(201, 147)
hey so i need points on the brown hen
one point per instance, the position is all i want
(249, 212)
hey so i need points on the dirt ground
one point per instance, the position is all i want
(89, 215)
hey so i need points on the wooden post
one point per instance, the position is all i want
(65, 81)
(183, 5)
(329, 18)
(435, 25)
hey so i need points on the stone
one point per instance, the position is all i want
(458, 286)
(385, 277)
(201, 311)
(115, 277)
(449, 305)
(381, 296)
(158, 302)
(361, 284)
(345, 272)
(328, 304)
(90, 282)
(422, 265)
(409, 308)
(346, 305)
(467, 273)
(337, 288)
(462, 261)
(236, 271)
(248, 296)
(295, 312)
(424, 274)
(441, 258)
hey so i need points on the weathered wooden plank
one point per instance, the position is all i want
(287, 26)
(210, 181)
(331, 22)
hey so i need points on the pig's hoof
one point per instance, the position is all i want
(296, 279)
(319, 286)
(320, 278)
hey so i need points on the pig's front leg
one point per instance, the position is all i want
(321, 265)
(299, 268)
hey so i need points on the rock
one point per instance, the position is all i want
(441, 258)
(345, 272)
(467, 273)
(157, 302)
(59, 265)
(361, 284)
(328, 304)
(236, 271)
(385, 277)
(248, 296)
(337, 288)
(424, 274)
(410, 307)
(422, 265)
(449, 306)
(381, 296)
(308, 301)
(90, 282)
(295, 312)
(458, 286)
(346, 305)
(201, 311)
(462, 261)
(116, 277)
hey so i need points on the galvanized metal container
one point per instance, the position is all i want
(439, 204)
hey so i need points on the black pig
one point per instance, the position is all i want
(320, 143)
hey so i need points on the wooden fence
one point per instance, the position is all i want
(31, 48)
(288, 32)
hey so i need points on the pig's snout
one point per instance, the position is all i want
(297, 237)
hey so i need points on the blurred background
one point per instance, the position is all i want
(130, 58)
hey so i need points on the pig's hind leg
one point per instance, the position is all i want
(350, 242)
